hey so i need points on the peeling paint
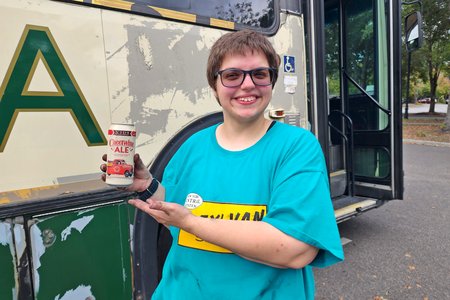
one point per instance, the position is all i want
(5, 234)
(38, 249)
(82, 234)
(20, 246)
(286, 44)
(20, 240)
(131, 239)
(7, 240)
(178, 52)
(164, 26)
(79, 225)
(175, 40)
(146, 50)
(81, 292)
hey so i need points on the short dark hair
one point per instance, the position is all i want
(239, 42)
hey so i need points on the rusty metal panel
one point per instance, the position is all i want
(82, 254)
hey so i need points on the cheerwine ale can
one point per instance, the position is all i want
(120, 155)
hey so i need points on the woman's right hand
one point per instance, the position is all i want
(142, 176)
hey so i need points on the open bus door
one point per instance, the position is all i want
(361, 130)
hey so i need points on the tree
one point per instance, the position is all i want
(447, 119)
(446, 94)
(435, 53)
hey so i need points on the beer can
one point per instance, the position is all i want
(120, 154)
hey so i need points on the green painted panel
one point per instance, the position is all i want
(7, 282)
(83, 254)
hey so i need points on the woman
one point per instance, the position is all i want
(247, 201)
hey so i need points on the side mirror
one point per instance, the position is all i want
(413, 31)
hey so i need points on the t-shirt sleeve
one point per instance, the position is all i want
(300, 203)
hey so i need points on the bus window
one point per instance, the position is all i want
(250, 13)
(372, 162)
(360, 40)
(366, 63)
(356, 45)
(332, 49)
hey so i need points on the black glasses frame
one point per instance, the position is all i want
(272, 74)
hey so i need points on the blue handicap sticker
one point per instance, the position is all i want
(289, 64)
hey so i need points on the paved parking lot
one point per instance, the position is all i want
(402, 249)
(420, 108)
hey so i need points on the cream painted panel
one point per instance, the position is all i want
(46, 148)
(157, 76)
(290, 40)
(131, 69)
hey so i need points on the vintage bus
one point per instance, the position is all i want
(68, 69)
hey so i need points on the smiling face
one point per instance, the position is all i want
(247, 102)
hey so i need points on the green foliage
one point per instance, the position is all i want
(433, 59)
(359, 41)
(443, 89)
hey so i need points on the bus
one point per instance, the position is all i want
(70, 68)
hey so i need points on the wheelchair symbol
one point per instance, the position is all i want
(289, 64)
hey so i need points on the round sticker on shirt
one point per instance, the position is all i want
(193, 200)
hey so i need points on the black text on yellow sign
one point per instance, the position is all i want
(223, 211)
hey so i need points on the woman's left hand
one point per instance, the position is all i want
(166, 213)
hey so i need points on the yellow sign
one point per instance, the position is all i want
(223, 211)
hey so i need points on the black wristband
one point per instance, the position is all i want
(147, 193)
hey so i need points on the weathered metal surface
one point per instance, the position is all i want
(8, 289)
(124, 68)
(82, 255)
(118, 67)
(44, 192)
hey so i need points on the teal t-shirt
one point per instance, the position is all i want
(281, 180)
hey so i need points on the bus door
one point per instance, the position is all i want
(364, 109)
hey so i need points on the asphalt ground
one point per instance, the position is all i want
(402, 249)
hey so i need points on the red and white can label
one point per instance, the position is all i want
(120, 156)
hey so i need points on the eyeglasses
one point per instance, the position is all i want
(235, 77)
